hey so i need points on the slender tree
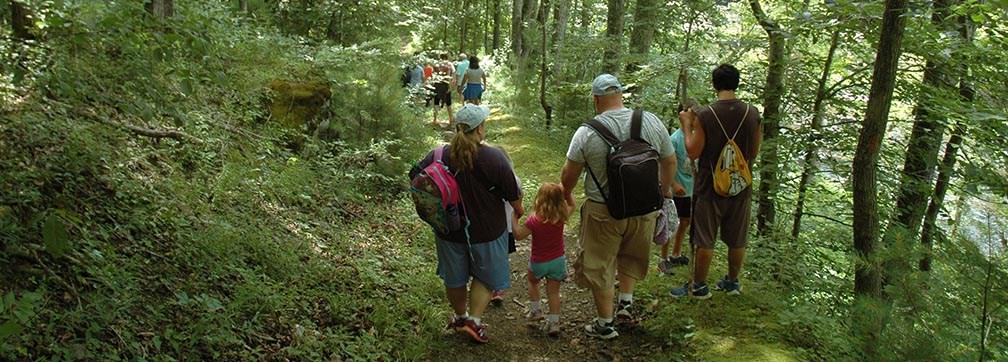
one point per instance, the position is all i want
(496, 24)
(614, 37)
(810, 161)
(773, 92)
(922, 151)
(21, 22)
(867, 277)
(517, 28)
(561, 15)
(947, 166)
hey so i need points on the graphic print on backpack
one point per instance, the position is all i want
(732, 175)
(632, 171)
(436, 196)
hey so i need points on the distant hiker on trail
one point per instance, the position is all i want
(416, 74)
(608, 244)
(706, 134)
(479, 251)
(442, 89)
(460, 69)
(475, 82)
(546, 225)
(682, 191)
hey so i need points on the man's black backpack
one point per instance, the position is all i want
(632, 167)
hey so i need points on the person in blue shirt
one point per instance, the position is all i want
(682, 198)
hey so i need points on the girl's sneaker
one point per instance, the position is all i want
(456, 324)
(535, 315)
(478, 333)
(552, 328)
(497, 298)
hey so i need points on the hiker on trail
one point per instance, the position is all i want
(442, 89)
(682, 192)
(416, 74)
(706, 134)
(460, 69)
(546, 225)
(479, 251)
(608, 244)
(475, 82)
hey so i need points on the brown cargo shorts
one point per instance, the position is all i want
(729, 214)
(607, 245)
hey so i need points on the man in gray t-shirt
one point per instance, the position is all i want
(607, 245)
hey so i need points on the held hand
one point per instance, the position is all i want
(678, 190)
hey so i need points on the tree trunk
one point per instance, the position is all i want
(516, 28)
(465, 25)
(812, 147)
(161, 9)
(585, 16)
(645, 22)
(614, 37)
(547, 109)
(947, 166)
(561, 15)
(531, 9)
(922, 152)
(772, 94)
(21, 23)
(867, 278)
(496, 25)
(243, 6)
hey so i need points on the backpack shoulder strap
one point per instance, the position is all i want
(718, 119)
(635, 125)
(439, 153)
(602, 131)
(744, 116)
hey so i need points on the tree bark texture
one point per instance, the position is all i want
(161, 9)
(867, 279)
(547, 109)
(614, 37)
(561, 15)
(496, 25)
(243, 6)
(21, 23)
(773, 92)
(530, 12)
(642, 35)
(867, 276)
(516, 28)
(811, 161)
(465, 25)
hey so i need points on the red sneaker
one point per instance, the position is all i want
(498, 298)
(456, 324)
(478, 333)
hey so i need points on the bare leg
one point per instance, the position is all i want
(553, 291)
(479, 297)
(702, 264)
(533, 287)
(735, 258)
(457, 299)
(664, 250)
(626, 284)
(680, 232)
(604, 302)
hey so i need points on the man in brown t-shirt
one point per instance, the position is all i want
(706, 133)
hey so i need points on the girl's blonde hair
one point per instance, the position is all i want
(464, 147)
(550, 206)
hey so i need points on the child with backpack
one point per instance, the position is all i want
(546, 223)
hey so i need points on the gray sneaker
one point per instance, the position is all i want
(601, 331)
(623, 310)
(552, 328)
(665, 266)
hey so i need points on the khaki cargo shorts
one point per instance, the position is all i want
(606, 245)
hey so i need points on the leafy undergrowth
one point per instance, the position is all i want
(261, 257)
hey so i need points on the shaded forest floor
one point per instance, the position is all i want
(538, 156)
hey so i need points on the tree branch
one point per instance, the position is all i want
(830, 218)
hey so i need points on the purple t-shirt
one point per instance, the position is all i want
(483, 188)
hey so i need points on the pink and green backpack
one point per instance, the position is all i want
(437, 198)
